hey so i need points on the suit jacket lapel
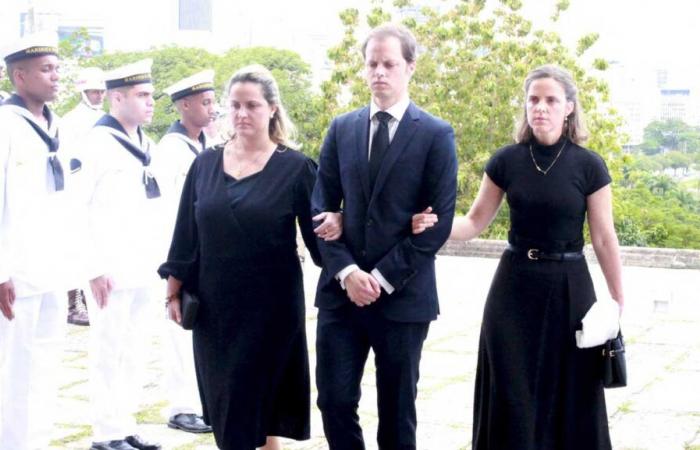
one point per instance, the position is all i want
(404, 133)
(361, 149)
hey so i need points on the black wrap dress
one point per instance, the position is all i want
(235, 245)
(535, 390)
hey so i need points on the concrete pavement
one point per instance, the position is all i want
(659, 410)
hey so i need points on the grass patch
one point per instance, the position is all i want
(151, 414)
(83, 432)
(74, 356)
(65, 387)
(625, 407)
(80, 398)
(672, 366)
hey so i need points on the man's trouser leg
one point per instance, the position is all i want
(118, 344)
(180, 378)
(30, 355)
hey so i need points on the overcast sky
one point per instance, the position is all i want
(655, 32)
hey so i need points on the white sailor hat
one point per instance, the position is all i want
(199, 82)
(31, 46)
(90, 78)
(129, 75)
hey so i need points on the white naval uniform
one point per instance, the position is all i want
(35, 240)
(171, 162)
(75, 124)
(125, 226)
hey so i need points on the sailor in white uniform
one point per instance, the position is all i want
(36, 236)
(126, 219)
(194, 99)
(75, 124)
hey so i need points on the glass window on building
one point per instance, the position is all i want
(195, 15)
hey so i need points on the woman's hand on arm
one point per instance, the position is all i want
(480, 215)
(604, 240)
(424, 220)
(332, 226)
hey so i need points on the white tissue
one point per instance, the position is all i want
(601, 323)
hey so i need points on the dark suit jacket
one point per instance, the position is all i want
(418, 170)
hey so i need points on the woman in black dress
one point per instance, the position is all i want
(535, 390)
(235, 246)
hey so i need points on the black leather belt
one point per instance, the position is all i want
(534, 254)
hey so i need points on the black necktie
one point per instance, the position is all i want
(54, 165)
(149, 181)
(380, 144)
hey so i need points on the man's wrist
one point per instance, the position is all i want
(382, 281)
(343, 274)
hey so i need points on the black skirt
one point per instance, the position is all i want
(535, 390)
(251, 356)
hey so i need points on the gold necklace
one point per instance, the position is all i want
(544, 171)
(238, 162)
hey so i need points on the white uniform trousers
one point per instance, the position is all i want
(180, 378)
(120, 338)
(30, 354)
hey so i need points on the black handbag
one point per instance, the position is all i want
(189, 305)
(614, 364)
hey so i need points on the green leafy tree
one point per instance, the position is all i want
(672, 134)
(172, 63)
(5, 84)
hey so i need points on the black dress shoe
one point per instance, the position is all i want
(135, 441)
(111, 445)
(192, 423)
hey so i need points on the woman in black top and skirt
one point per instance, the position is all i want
(235, 246)
(535, 390)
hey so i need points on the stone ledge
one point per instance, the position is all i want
(667, 258)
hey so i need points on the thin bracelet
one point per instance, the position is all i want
(170, 297)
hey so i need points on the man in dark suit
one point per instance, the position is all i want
(381, 164)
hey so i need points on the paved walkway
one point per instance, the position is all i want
(659, 410)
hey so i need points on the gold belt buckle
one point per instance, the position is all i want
(531, 254)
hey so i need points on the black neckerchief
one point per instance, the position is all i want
(52, 143)
(119, 133)
(178, 128)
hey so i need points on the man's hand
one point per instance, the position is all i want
(101, 288)
(7, 299)
(332, 226)
(362, 288)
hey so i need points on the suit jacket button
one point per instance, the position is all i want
(363, 253)
(369, 222)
